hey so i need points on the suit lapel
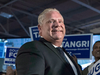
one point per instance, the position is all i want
(72, 61)
(51, 47)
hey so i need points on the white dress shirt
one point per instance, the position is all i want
(71, 63)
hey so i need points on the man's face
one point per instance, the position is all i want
(53, 27)
(96, 50)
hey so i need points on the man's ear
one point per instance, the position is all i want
(39, 27)
(40, 31)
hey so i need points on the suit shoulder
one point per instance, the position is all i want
(28, 47)
(31, 44)
(27, 44)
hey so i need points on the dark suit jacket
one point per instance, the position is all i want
(41, 58)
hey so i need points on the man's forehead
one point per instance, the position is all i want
(97, 44)
(48, 17)
(55, 19)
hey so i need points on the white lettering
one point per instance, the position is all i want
(14, 55)
(10, 54)
(36, 34)
(63, 43)
(87, 43)
(83, 43)
(72, 44)
(76, 44)
(66, 44)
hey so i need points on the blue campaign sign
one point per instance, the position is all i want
(2, 49)
(10, 56)
(34, 33)
(80, 45)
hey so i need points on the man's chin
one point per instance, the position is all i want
(58, 38)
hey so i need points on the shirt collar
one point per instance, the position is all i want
(56, 46)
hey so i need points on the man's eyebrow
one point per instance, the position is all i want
(55, 19)
(51, 19)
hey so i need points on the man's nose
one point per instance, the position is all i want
(57, 24)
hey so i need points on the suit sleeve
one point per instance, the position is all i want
(85, 71)
(30, 60)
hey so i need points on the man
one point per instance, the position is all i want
(41, 57)
(96, 54)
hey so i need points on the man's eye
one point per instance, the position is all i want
(95, 47)
(60, 21)
(50, 21)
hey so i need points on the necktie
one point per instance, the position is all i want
(62, 53)
(60, 50)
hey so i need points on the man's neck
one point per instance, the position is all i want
(96, 59)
